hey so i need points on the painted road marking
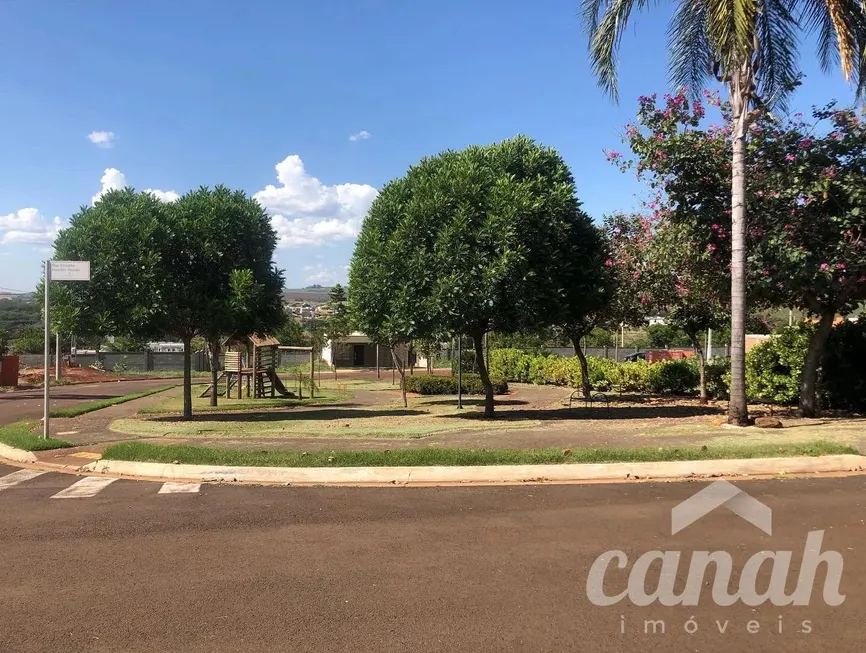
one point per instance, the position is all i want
(86, 487)
(179, 488)
(13, 479)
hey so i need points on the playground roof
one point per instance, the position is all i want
(258, 341)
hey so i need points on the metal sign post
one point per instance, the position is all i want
(56, 271)
(45, 391)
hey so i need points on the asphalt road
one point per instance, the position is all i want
(27, 404)
(400, 569)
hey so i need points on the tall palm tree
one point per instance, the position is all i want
(751, 47)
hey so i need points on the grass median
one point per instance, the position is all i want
(21, 436)
(99, 404)
(186, 454)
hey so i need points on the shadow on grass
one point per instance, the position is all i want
(274, 416)
(597, 412)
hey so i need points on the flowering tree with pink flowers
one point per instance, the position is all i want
(806, 198)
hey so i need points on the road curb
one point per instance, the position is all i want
(16, 455)
(481, 475)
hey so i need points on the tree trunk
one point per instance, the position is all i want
(334, 358)
(401, 368)
(478, 340)
(187, 378)
(808, 382)
(584, 367)
(739, 88)
(702, 372)
(214, 352)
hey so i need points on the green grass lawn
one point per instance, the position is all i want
(143, 452)
(21, 436)
(90, 406)
(174, 404)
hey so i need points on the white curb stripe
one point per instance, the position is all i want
(13, 479)
(86, 487)
(179, 488)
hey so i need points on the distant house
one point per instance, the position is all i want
(163, 347)
(357, 350)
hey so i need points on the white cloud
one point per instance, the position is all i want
(104, 140)
(28, 226)
(164, 195)
(324, 275)
(304, 211)
(362, 135)
(113, 179)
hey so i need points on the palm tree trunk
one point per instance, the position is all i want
(738, 410)
(808, 382)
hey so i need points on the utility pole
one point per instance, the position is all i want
(709, 344)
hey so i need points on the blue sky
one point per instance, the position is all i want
(310, 105)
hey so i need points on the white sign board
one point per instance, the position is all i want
(70, 270)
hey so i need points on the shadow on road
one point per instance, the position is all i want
(475, 402)
(280, 416)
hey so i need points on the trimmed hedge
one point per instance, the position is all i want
(433, 384)
(671, 377)
(677, 377)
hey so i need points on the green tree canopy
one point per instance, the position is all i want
(467, 242)
(201, 266)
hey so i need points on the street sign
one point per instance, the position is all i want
(56, 271)
(70, 270)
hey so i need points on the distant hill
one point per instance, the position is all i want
(313, 295)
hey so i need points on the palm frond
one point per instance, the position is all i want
(691, 53)
(731, 30)
(777, 43)
(841, 27)
(605, 22)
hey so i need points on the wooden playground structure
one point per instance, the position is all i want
(252, 361)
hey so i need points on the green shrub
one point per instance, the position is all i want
(717, 375)
(774, 367)
(602, 372)
(433, 384)
(510, 364)
(537, 369)
(676, 377)
(630, 376)
(843, 381)
(468, 362)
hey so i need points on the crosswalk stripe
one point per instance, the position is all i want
(86, 487)
(13, 479)
(179, 488)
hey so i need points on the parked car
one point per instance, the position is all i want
(639, 356)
